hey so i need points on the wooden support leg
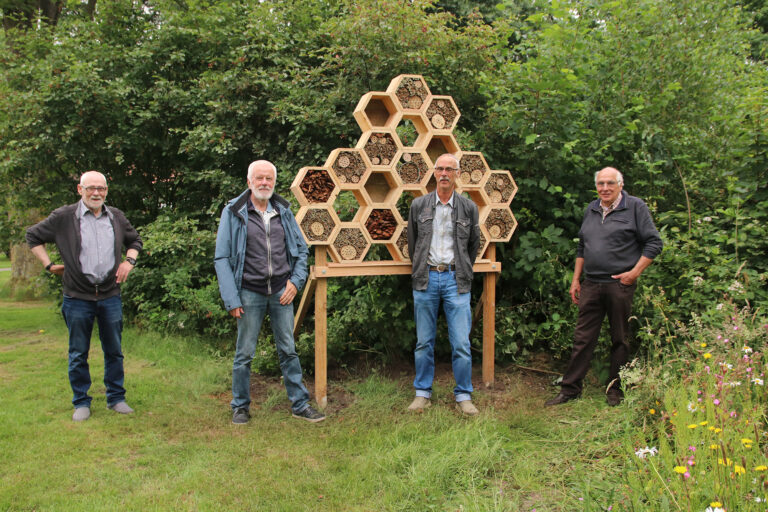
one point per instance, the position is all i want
(321, 331)
(489, 321)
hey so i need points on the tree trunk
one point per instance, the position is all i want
(25, 267)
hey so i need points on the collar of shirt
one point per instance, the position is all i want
(265, 215)
(82, 210)
(613, 206)
(449, 203)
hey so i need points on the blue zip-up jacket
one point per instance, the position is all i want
(229, 257)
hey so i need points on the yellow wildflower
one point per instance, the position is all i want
(715, 504)
(703, 345)
(739, 470)
(747, 442)
(652, 411)
(718, 430)
(692, 425)
(681, 469)
(714, 446)
(761, 468)
(707, 355)
(703, 423)
(726, 462)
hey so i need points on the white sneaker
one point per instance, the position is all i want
(121, 407)
(419, 403)
(81, 414)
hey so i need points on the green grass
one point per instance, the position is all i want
(181, 452)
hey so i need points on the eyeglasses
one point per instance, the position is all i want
(92, 189)
(446, 169)
(606, 183)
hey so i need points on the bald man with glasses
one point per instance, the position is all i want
(90, 237)
(617, 242)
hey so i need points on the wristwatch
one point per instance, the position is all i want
(130, 260)
(48, 267)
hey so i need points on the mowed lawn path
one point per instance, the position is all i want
(180, 451)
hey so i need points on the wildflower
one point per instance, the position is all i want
(652, 411)
(692, 448)
(739, 470)
(714, 509)
(703, 345)
(724, 462)
(735, 287)
(716, 401)
(727, 365)
(691, 407)
(692, 426)
(698, 281)
(707, 219)
(746, 441)
(707, 355)
(703, 423)
(717, 430)
(761, 467)
(726, 340)
(735, 327)
(758, 499)
(747, 350)
(643, 452)
(757, 381)
(733, 384)
(680, 469)
(715, 504)
(733, 414)
(749, 370)
(714, 446)
(719, 307)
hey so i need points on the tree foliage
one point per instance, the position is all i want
(173, 99)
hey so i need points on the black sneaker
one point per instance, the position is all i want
(560, 399)
(240, 416)
(613, 399)
(310, 415)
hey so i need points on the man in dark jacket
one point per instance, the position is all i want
(443, 239)
(261, 264)
(617, 241)
(90, 237)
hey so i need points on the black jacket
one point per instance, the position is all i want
(62, 227)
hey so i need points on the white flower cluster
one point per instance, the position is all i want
(757, 381)
(644, 452)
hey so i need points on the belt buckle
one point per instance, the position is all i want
(442, 267)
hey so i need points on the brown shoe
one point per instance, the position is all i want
(419, 404)
(467, 407)
(560, 399)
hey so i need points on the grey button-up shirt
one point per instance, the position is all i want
(97, 243)
(441, 247)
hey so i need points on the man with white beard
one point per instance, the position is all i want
(261, 264)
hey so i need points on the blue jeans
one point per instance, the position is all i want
(255, 306)
(79, 315)
(442, 286)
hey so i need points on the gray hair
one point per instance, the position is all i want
(619, 176)
(82, 177)
(452, 156)
(252, 168)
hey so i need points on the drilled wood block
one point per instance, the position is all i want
(411, 91)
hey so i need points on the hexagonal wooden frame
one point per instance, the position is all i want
(339, 252)
(367, 139)
(486, 220)
(497, 193)
(472, 174)
(437, 122)
(377, 111)
(311, 236)
(296, 187)
(384, 112)
(409, 105)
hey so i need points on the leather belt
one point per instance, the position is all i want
(443, 267)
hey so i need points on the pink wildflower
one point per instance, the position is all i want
(716, 401)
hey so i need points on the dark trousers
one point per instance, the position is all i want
(595, 301)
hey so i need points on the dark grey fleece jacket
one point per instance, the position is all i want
(62, 227)
(613, 245)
